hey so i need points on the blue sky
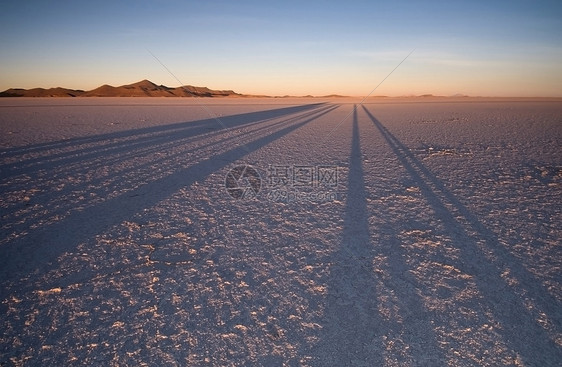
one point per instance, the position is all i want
(497, 48)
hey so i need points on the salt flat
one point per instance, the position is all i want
(277, 232)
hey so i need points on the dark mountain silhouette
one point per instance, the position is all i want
(144, 88)
(41, 92)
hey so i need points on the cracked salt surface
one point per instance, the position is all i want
(120, 244)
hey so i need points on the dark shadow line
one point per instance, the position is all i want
(199, 127)
(494, 289)
(20, 227)
(49, 162)
(112, 146)
(38, 251)
(346, 298)
(352, 293)
(141, 103)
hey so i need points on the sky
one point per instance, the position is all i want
(480, 48)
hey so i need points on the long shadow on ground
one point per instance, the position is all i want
(486, 260)
(57, 179)
(84, 147)
(355, 333)
(37, 252)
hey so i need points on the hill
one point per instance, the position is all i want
(144, 88)
(41, 92)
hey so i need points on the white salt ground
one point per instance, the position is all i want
(416, 234)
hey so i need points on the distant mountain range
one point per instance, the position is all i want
(144, 88)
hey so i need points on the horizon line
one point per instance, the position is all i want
(258, 95)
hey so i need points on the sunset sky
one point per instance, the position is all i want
(488, 48)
